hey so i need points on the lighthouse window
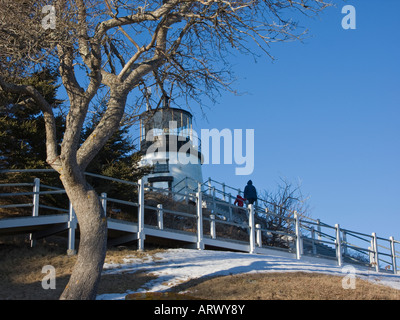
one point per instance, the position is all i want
(161, 167)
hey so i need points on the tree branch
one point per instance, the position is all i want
(89, 50)
(108, 124)
(139, 17)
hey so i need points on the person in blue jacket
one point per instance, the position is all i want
(250, 192)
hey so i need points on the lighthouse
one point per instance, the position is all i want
(169, 144)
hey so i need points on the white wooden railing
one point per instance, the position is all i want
(304, 236)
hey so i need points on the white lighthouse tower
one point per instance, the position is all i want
(168, 142)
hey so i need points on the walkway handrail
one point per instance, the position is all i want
(238, 190)
(299, 223)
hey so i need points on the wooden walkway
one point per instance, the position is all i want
(304, 237)
(123, 232)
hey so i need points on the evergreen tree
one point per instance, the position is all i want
(118, 159)
(22, 134)
(22, 140)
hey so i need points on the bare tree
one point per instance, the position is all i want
(281, 204)
(118, 47)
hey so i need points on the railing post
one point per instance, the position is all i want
(209, 186)
(230, 208)
(103, 198)
(338, 245)
(72, 222)
(36, 190)
(314, 248)
(140, 233)
(375, 249)
(393, 254)
(223, 191)
(35, 206)
(252, 229)
(370, 252)
(344, 238)
(212, 227)
(258, 235)
(213, 199)
(298, 235)
(319, 229)
(160, 216)
(200, 243)
(186, 190)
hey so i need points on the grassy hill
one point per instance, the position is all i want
(21, 276)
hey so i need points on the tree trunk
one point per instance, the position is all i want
(86, 273)
(85, 201)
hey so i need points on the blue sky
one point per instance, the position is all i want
(326, 112)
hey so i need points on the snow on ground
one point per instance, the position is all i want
(175, 266)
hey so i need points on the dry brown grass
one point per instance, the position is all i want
(286, 286)
(21, 270)
(21, 276)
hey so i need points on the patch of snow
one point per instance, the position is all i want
(175, 266)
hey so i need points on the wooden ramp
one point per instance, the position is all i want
(40, 225)
(122, 232)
